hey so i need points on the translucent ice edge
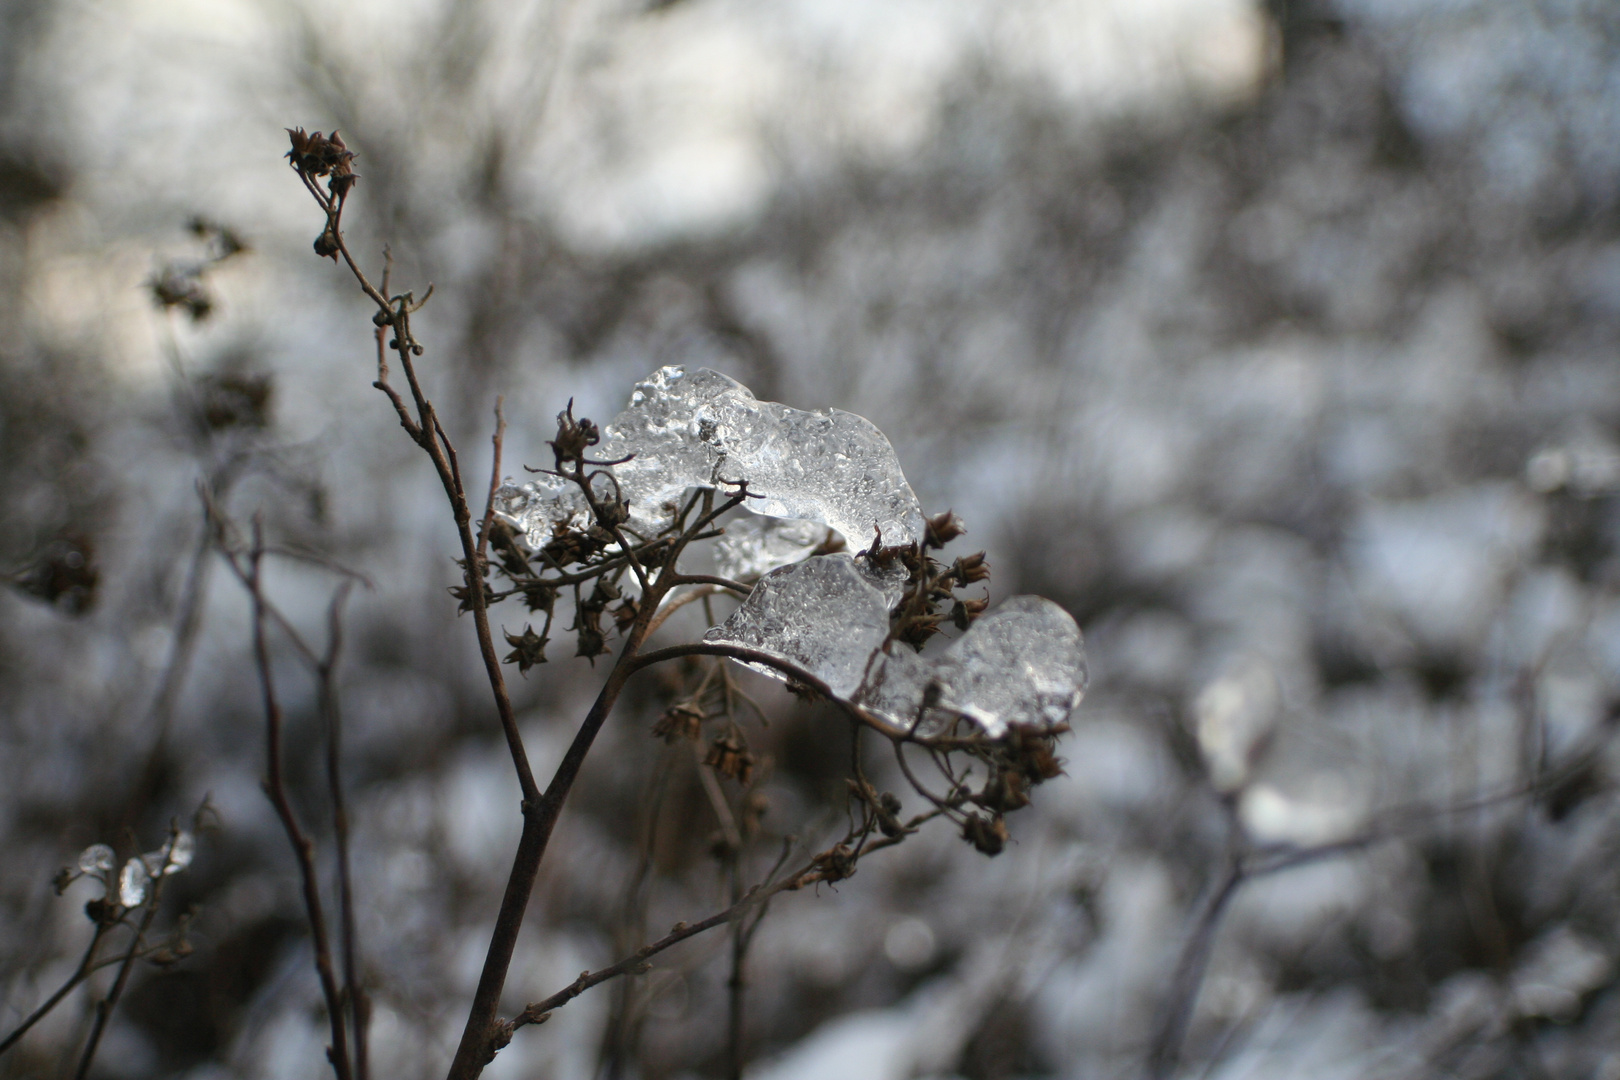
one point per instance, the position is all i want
(754, 546)
(1023, 663)
(701, 429)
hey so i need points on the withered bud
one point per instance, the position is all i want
(971, 568)
(729, 756)
(1006, 790)
(942, 529)
(528, 649)
(573, 436)
(915, 630)
(326, 246)
(834, 864)
(888, 813)
(988, 835)
(963, 612)
(592, 643)
(680, 721)
(1030, 750)
(317, 155)
(464, 598)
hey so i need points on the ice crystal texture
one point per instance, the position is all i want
(701, 429)
(823, 614)
(95, 859)
(132, 884)
(754, 546)
(1023, 663)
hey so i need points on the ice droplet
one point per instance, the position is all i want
(132, 884)
(96, 859)
(181, 850)
(754, 546)
(823, 614)
(173, 857)
(702, 428)
(1023, 663)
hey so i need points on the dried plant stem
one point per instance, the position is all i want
(105, 1007)
(80, 973)
(303, 848)
(636, 963)
(354, 995)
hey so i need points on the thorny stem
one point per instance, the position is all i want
(303, 848)
(82, 972)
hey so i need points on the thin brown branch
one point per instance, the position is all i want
(636, 963)
(786, 667)
(354, 994)
(303, 848)
(494, 481)
(105, 1007)
(86, 966)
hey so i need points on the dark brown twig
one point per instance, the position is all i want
(105, 1007)
(86, 966)
(353, 991)
(303, 847)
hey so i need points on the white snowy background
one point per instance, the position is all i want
(1276, 342)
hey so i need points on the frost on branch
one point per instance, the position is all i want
(701, 429)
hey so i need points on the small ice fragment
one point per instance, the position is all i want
(1236, 713)
(96, 859)
(132, 884)
(703, 429)
(181, 851)
(754, 546)
(1023, 663)
(154, 860)
(823, 614)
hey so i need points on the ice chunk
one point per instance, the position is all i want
(823, 614)
(96, 859)
(698, 429)
(173, 857)
(754, 546)
(132, 884)
(181, 850)
(1023, 663)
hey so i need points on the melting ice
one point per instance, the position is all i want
(1023, 663)
(754, 546)
(823, 614)
(701, 428)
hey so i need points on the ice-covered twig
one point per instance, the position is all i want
(685, 430)
(1021, 664)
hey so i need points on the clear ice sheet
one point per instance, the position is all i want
(823, 614)
(697, 429)
(1023, 663)
(754, 546)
